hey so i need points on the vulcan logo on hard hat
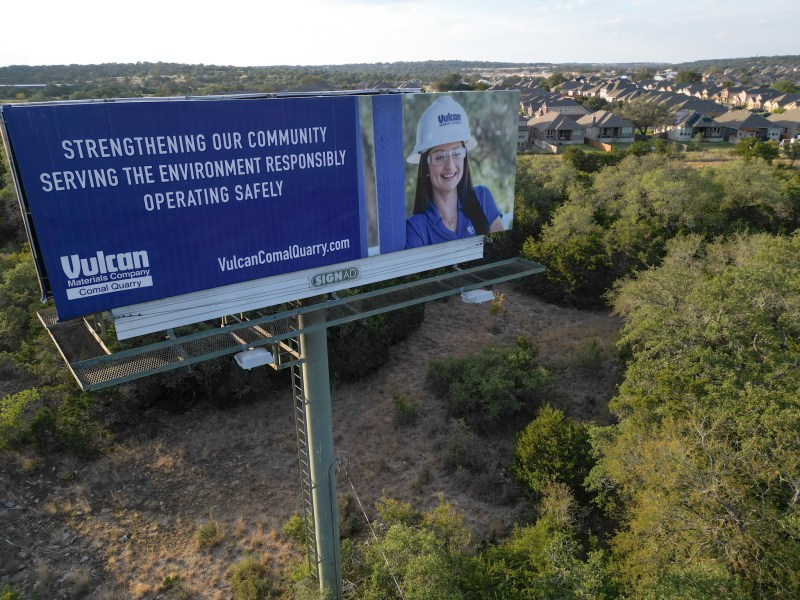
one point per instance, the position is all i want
(106, 273)
(449, 118)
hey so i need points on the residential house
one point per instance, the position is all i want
(788, 122)
(692, 89)
(564, 106)
(617, 88)
(783, 101)
(682, 102)
(592, 90)
(708, 107)
(531, 100)
(730, 96)
(648, 84)
(756, 98)
(523, 134)
(605, 126)
(690, 125)
(571, 88)
(553, 129)
(742, 123)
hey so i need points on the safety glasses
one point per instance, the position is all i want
(440, 158)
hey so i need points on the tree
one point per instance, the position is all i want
(419, 559)
(593, 103)
(704, 457)
(622, 222)
(791, 151)
(752, 197)
(689, 77)
(749, 148)
(591, 162)
(553, 81)
(786, 87)
(552, 449)
(571, 246)
(645, 113)
(488, 389)
(12, 230)
(644, 73)
(19, 299)
(545, 560)
(706, 580)
(450, 83)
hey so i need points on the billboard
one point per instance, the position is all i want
(181, 202)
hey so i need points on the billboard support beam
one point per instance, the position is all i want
(316, 383)
(95, 367)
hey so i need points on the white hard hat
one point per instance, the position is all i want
(443, 122)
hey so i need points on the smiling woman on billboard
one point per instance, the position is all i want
(446, 205)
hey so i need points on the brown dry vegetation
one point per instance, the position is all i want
(117, 526)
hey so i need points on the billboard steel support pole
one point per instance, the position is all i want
(314, 347)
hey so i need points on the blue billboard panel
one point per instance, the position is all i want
(134, 201)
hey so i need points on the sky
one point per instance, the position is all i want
(317, 32)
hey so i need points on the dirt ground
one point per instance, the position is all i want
(117, 526)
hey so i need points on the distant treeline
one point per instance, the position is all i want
(76, 82)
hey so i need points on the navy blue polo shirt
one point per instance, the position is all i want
(427, 228)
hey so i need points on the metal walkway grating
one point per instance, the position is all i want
(94, 368)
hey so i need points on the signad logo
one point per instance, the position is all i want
(106, 273)
(322, 279)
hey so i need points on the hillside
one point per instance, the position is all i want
(116, 527)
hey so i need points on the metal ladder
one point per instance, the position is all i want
(306, 485)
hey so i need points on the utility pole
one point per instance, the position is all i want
(316, 382)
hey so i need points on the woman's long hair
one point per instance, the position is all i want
(469, 201)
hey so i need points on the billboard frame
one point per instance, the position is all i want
(106, 369)
(53, 286)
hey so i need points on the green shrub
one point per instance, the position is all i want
(587, 356)
(405, 411)
(544, 561)
(77, 425)
(207, 536)
(487, 389)
(249, 580)
(396, 512)
(19, 298)
(351, 521)
(463, 449)
(705, 580)
(169, 583)
(42, 419)
(176, 589)
(295, 529)
(10, 593)
(552, 448)
(423, 560)
(24, 419)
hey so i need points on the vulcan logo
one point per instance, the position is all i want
(106, 273)
(101, 263)
(449, 118)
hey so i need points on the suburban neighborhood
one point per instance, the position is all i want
(707, 112)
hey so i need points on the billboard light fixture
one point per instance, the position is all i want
(254, 357)
(478, 296)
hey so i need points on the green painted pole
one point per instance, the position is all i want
(316, 381)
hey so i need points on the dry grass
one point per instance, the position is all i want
(78, 581)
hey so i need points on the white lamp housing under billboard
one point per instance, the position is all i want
(254, 357)
(477, 296)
